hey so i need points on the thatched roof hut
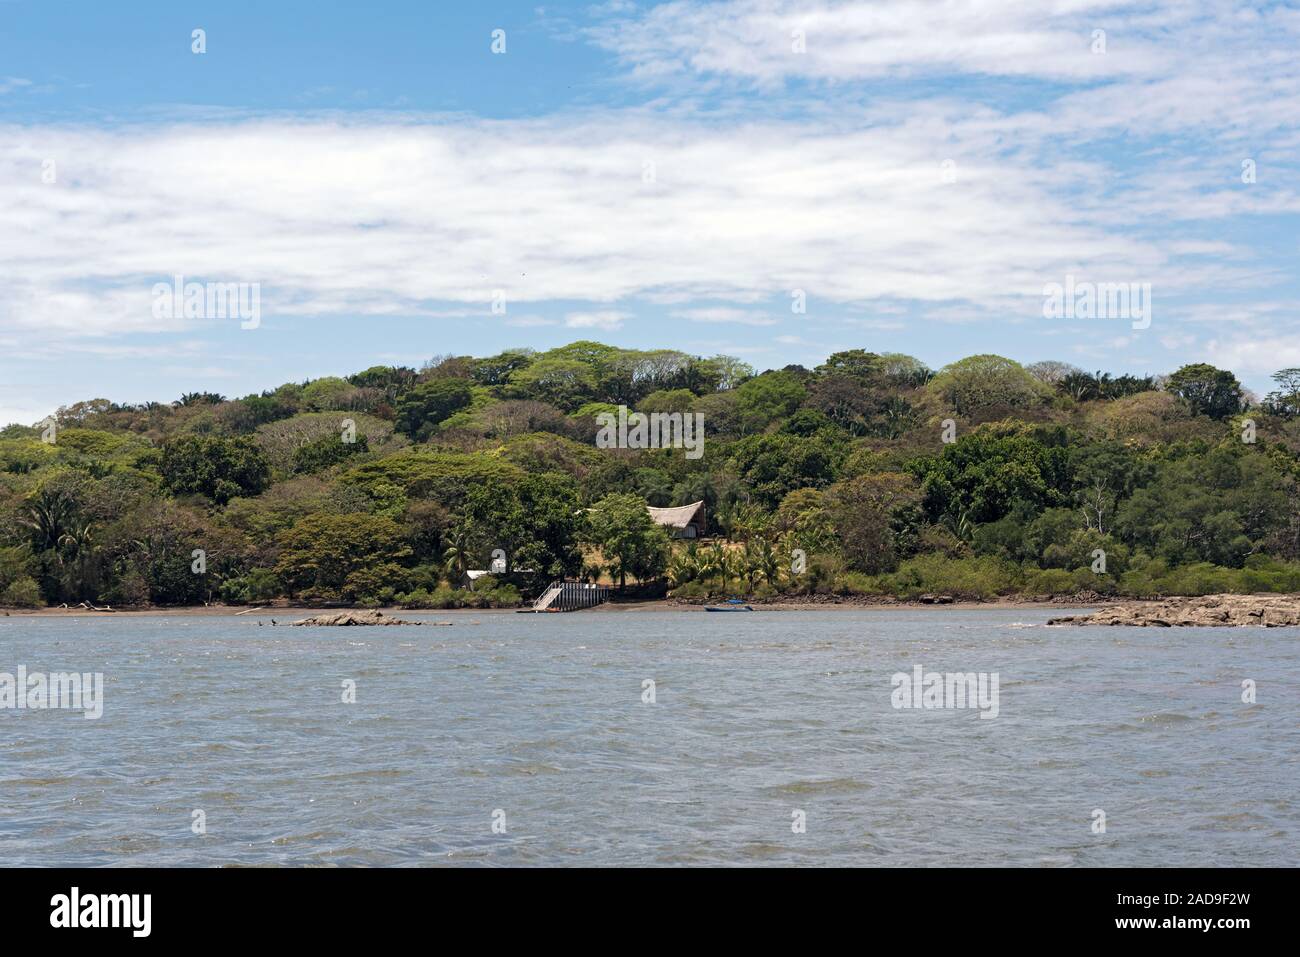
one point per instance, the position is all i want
(685, 521)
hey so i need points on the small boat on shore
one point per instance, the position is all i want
(733, 604)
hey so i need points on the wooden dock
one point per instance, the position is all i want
(568, 596)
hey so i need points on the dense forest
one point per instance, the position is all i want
(870, 474)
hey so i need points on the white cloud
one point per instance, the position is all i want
(855, 39)
(877, 325)
(608, 320)
(1262, 313)
(382, 218)
(744, 317)
(1168, 65)
(1255, 355)
(432, 217)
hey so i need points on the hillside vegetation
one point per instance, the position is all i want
(869, 474)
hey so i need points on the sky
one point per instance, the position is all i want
(770, 179)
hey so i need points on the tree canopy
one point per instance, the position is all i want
(865, 474)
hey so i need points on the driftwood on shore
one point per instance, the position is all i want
(353, 618)
(1211, 611)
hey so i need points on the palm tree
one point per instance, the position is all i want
(962, 526)
(769, 562)
(724, 519)
(457, 556)
(693, 488)
(745, 520)
(684, 566)
(50, 514)
(707, 563)
(751, 562)
(655, 487)
(80, 542)
(894, 416)
(717, 563)
(784, 555)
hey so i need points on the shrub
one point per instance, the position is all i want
(1152, 578)
(856, 583)
(498, 595)
(259, 584)
(22, 593)
(692, 590)
(1049, 581)
(980, 577)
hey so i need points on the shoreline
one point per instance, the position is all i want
(845, 603)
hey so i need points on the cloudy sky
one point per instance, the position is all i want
(646, 174)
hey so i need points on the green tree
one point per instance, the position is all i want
(716, 564)
(846, 401)
(1104, 474)
(853, 364)
(497, 369)
(329, 394)
(655, 486)
(246, 414)
(535, 521)
(774, 465)
(325, 451)
(981, 476)
(427, 405)
(78, 544)
(1217, 505)
(342, 556)
(195, 398)
(218, 468)
(684, 565)
(874, 516)
(667, 400)
(718, 374)
(392, 381)
(986, 382)
(904, 371)
(1285, 399)
(768, 397)
(1209, 391)
(151, 551)
(259, 584)
(564, 383)
(630, 540)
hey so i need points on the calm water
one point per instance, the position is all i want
(756, 716)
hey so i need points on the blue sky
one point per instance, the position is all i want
(672, 174)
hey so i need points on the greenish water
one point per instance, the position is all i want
(756, 717)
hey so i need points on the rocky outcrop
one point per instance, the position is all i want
(1212, 611)
(349, 618)
(935, 599)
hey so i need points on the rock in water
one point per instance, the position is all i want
(1211, 611)
(348, 618)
